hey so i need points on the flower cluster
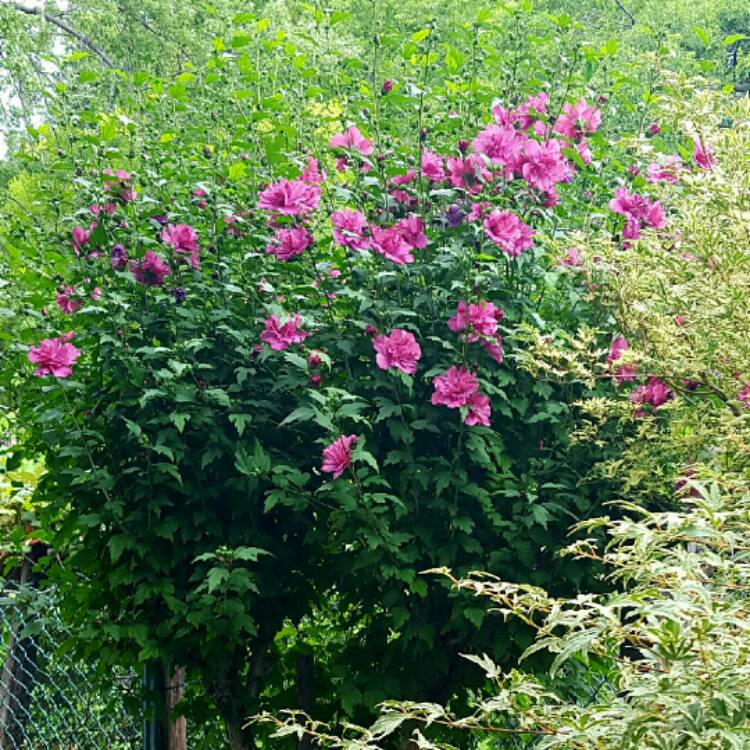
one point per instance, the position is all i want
(457, 388)
(479, 323)
(639, 211)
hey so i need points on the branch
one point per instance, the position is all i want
(63, 26)
(619, 4)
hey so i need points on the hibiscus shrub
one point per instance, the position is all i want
(264, 385)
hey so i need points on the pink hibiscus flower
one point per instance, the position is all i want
(501, 145)
(703, 154)
(543, 164)
(54, 356)
(280, 337)
(312, 173)
(184, 241)
(81, 237)
(668, 171)
(507, 231)
(290, 197)
(289, 243)
(151, 270)
(349, 227)
(572, 258)
(399, 349)
(411, 230)
(65, 301)
(454, 388)
(482, 318)
(352, 140)
(469, 174)
(577, 120)
(622, 373)
(655, 393)
(337, 457)
(388, 242)
(432, 166)
(479, 410)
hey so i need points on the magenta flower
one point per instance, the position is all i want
(81, 237)
(280, 337)
(399, 349)
(703, 154)
(572, 258)
(507, 231)
(349, 229)
(494, 347)
(477, 211)
(54, 356)
(654, 393)
(577, 120)
(151, 270)
(479, 410)
(523, 116)
(653, 129)
(337, 457)
(289, 243)
(183, 240)
(312, 173)
(65, 301)
(352, 140)
(404, 179)
(532, 107)
(290, 197)
(388, 242)
(411, 230)
(454, 388)
(543, 164)
(638, 210)
(666, 172)
(744, 395)
(432, 166)
(470, 173)
(501, 145)
(482, 318)
(584, 151)
(622, 373)
(119, 184)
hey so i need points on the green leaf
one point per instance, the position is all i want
(733, 39)
(250, 554)
(215, 577)
(179, 420)
(240, 421)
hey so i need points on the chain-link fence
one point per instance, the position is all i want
(48, 700)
